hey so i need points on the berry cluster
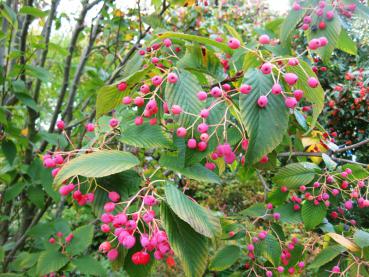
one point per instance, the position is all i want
(127, 228)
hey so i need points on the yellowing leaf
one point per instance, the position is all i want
(344, 242)
(24, 132)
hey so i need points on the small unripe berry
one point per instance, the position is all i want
(112, 254)
(167, 42)
(202, 95)
(181, 132)
(216, 92)
(245, 89)
(191, 143)
(298, 93)
(202, 145)
(156, 80)
(60, 124)
(104, 247)
(113, 122)
(90, 127)
(176, 109)
(109, 207)
(149, 200)
(127, 100)
(276, 89)
(139, 101)
(202, 128)
(314, 44)
(313, 82)
(114, 196)
(291, 102)
(204, 113)
(145, 89)
(293, 62)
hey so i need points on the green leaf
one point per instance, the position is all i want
(225, 258)
(276, 196)
(329, 163)
(296, 174)
(301, 120)
(331, 32)
(197, 171)
(200, 219)
(190, 247)
(154, 20)
(28, 100)
(256, 210)
(97, 164)
(358, 172)
(193, 38)
(361, 238)
(346, 44)
(145, 135)
(88, 265)
(9, 14)
(265, 126)
(313, 95)
(313, 215)
(32, 11)
(201, 59)
(289, 25)
(50, 261)
(327, 255)
(270, 249)
(251, 60)
(9, 149)
(288, 214)
(184, 93)
(38, 72)
(82, 239)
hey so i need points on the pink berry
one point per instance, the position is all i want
(204, 113)
(264, 39)
(139, 120)
(336, 269)
(216, 92)
(104, 247)
(156, 80)
(276, 216)
(155, 60)
(149, 200)
(266, 68)
(268, 273)
(191, 143)
(210, 166)
(293, 62)
(291, 102)
(172, 78)
(60, 124)
(296, 6)
(202, 128)
(55, 171)
(105, 228)
(204, 137)
(113, 122)
(262, 101)
(202, 95)
(181, 132)
(234, 43)
(122, 86)
(109, 207)
(290, 78)
(313, 82)
(307, 19)
(90, 127)
(127, 100)
(167, 42)
(298, 93)
(176, 109)
(250, 247)
(323, 41)
(201, 146)
(314, 44)
(52, 240)
(112, 254)
(245, 89)
(329, 15)
(145, 89)
(139, 101)
(280, 269)
(276, 89)
(114, 196)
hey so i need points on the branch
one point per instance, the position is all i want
(72, 45)
(356, 145)
(21, 240)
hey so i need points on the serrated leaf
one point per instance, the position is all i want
(203, 60)
(145, 135)
(82, 238)
(97, 164)
(313, 95)
(189, 246)
(288, 214)
(225, 258)
(88, 265)
(269, 248)
(296, 174)
(346, 44)
(50, 261)
(313, 215)
(265, 126)
(344, 242)
(255, 210)
(200, 219)
(184, 93)
(289, 25)
(361, 238)
(196, 171)
(327, 255)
